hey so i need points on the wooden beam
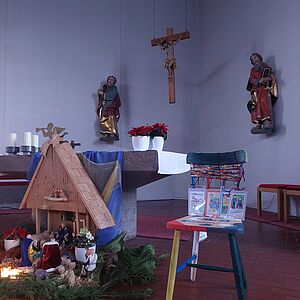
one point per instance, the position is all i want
(170, 38)
(171, 81)
(37, 221)
(77, 222)
(87, 220)
(48, 221)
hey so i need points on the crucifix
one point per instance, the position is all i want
(167, 44)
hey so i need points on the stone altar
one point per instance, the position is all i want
(139, 168)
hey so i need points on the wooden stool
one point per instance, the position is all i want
(290, 190)
(271, 188)
(188, 225)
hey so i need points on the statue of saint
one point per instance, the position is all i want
(263, 89)
(108, 110)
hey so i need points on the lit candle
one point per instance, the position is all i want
(35, 140)
(27, 138)
(12, 139)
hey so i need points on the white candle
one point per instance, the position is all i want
(35, 140)
(12, 139)
(27, 138)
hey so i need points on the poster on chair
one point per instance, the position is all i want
(196, 201)
(224, 202)
(237, 204)
(212, 203)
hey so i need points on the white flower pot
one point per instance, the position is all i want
(157, 143)
(80, 253)
(140, 143)
(8, 244)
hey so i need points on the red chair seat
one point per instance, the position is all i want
(274, 185)
(293, 187)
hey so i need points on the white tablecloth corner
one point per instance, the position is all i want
(172, 163)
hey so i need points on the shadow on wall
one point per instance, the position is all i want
(279, 128)
(214, 72)
(96, 123)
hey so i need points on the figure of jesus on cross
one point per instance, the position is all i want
(167, 44)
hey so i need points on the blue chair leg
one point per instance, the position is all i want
(239, 275)
(243, 270)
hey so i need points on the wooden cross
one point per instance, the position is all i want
(167, 44)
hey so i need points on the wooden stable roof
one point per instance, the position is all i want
(84, 186)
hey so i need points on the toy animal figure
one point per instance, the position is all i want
(41, 274)
(66, 271)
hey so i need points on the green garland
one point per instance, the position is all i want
(56, 290)
(116, 265)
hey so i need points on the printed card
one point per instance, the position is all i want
(224, 206)
(196, 201)
(237, 206)
(213, 203)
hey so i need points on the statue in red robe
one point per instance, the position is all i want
(263, 89)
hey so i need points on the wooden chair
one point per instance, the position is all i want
(224, 167)
(290, 190)
(271, 188)
(237, 264)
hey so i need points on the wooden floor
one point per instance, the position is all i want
(271, 257)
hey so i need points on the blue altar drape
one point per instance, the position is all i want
(114, 206)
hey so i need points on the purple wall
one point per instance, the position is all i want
(230, 31)
(54, 54)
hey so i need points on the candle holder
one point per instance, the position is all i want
(27, 150)
(12, 150)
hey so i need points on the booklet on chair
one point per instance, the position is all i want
(207, 222)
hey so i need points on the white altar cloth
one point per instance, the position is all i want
(172, 163)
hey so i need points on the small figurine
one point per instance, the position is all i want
(264, 94)
(64, 235)
(108, 110)
(90, 264)
(57, 193)
(51, 131)
(25, 259)
(51, 255)
(92, 257)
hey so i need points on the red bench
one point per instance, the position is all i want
(290, 190)
(282, 191)
(271, 188)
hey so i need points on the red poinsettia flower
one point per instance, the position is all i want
(159, 129)
(15, 233)
(143, 130)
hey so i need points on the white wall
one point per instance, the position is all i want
(230, 31)
(54, 55)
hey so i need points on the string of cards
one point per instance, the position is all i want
(217, 203)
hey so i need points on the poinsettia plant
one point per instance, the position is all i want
(14, 233)
(84, 239)
(143, 130)
(159, 129)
